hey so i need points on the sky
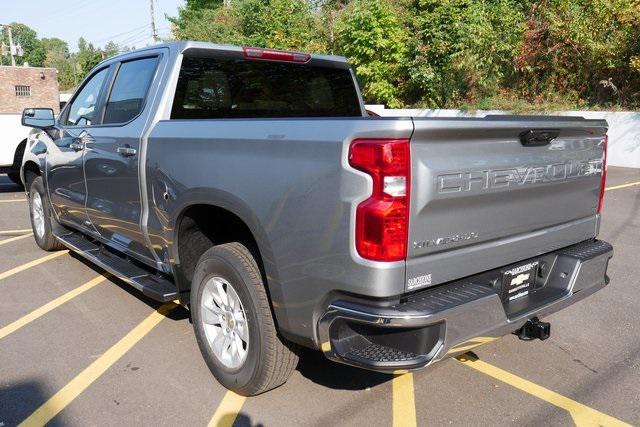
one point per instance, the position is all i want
(126, 22)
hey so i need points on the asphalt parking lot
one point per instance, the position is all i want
(77, 348)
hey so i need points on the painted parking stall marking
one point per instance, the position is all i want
(33, 263)
(13, 232)
(13, 239)
(25, 320)
(84, 379)
(581, 414)
(228, 410)
(618, 187)
(404, 404)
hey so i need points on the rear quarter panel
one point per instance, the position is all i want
(288, 180)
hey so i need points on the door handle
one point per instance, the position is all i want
(126, 151)
(80, 142)
(77, 144)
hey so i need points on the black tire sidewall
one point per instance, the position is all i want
(224, 264)
(47, 240)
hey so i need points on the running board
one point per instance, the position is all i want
(153, 286)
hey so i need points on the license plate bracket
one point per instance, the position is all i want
(519, 281)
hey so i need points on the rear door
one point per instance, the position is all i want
(484, 196)
(112, 158)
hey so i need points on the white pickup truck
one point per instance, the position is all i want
(14, 138)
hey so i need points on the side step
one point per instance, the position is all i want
(153, 286)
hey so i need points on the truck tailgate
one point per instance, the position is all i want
(482, 198)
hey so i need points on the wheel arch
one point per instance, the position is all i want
(201, 225)
(29, 171)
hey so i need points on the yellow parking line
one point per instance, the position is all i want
(84, 379)
(14, 326)
(404, 405)
(19, 231)
(13, 239)
(12, 200)
(31, 264)
(582, 414)
(617, 187)
(228, 410)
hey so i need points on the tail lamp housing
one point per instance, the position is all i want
(382, 220)
(603, 179)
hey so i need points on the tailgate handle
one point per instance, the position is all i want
(538, 137)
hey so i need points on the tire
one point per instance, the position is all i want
(41, 217)
(15, 177)
(265, 360)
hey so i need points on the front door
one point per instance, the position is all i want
(111, 160)
(65, 173)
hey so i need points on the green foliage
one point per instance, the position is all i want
(278, 24)
(34, 53)
(462, 49)
(584, 47)
(370, 35)
(451, 53)
(58, 57)
(88, 56)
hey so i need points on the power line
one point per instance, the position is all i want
(124, 33)
(135, 36)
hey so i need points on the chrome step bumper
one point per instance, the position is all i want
(453, 318)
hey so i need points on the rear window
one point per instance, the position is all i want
(214, 88)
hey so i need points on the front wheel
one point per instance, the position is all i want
(40, 212)
(233, 322)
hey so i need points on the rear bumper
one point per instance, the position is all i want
(453, 318)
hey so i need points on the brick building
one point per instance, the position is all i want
(24, 87)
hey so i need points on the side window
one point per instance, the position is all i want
(83, 109)
(129, 90)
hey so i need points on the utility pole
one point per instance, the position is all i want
(154, 32)
(13, 50)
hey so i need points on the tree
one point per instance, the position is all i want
(58, 57)
(34, 53)
(280, 24)
(370, 35)
(87, 57)
(462, 49)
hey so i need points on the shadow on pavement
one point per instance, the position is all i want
(179, 313)
(19, 400)
(317, 368)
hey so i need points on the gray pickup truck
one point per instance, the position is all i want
(252, 186)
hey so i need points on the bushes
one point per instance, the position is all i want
(370, 35)
(450, 53)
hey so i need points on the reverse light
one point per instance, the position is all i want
(382, 221)
(275, 55)
(603, 179)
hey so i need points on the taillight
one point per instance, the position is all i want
(603, 179)
(275, 55)
(382, 221)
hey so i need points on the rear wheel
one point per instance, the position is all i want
(41, 217)
(233, 322)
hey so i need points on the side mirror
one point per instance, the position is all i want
(40, 118)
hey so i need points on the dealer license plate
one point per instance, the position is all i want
(519, 281)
